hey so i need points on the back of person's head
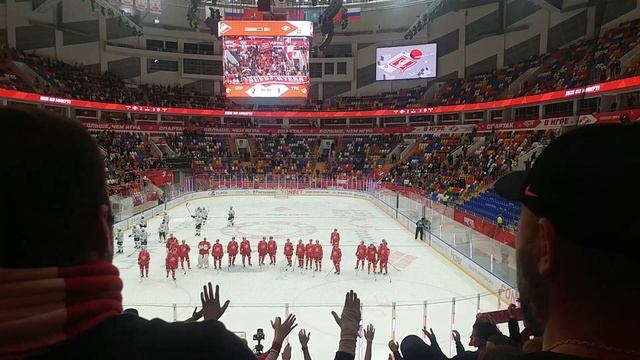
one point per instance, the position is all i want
(577, 232)
(55, 208)
(414, 348)
(482, 330)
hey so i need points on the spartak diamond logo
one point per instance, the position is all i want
(402, 62)
(223, 28)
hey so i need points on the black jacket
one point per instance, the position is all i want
(132, 337)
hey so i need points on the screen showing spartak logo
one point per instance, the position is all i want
(406, 62)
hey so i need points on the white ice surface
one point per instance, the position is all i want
(258, 295)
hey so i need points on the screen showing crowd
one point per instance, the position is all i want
(266, 61)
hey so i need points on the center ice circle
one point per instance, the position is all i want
(278, 229)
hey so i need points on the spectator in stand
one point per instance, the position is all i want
(482, 330)
(59, 160)
(562, 258)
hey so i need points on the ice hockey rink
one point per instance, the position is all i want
(417, 273)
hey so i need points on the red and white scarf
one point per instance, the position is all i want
(43, 307)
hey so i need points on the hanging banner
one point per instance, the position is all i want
(155, 6)
(141, 5)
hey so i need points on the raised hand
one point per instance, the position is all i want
(282, 329)
(456, 335)
(369, 333)
(286, 352)
(393, 346)
(429, 334)
(211, 309)
(349, 321)
(512, 311)
(304, 336)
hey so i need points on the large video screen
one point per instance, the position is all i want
(266, 59)
(406, 62)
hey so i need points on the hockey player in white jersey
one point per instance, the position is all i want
(198, 220)
(135, 232)
(205, 214)
(143, 222)
(162, 231)
(119, 240)
(143, 237)
(231, 216)
(165, 218)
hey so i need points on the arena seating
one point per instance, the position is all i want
(284, 154)
(127, 154)
(359, 156)
(490, 205)
(581, 64)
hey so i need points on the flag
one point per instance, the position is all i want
(231, 14)
(353, 14)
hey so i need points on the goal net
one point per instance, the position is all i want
(281, 194)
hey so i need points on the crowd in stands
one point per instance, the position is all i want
(126, 155)
(482, 87)
(360, 156)
(439, 174)
(284, 154)
(585, 62)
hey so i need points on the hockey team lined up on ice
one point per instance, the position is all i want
(309, 255)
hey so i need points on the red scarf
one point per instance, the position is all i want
(43, 307)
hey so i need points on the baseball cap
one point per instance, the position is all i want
(586, 183)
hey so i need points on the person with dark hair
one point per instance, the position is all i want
(577, 234)
(481, 332)
(59, 174)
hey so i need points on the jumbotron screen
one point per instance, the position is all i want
(406, 62)
(266, 59)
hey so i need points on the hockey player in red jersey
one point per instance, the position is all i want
(217, 253)
(335, 238)
(171, 242)
(317, 255)
(262, 251)
(272, 248)
(372, 258)
(336, 256)
(308, 251)
(245, 250)
(143, 261)
(300, 254)
(288, 252)
(203, 253)
(183, 252)
(361, 254)
(172, 262)
(232, 251)
(383, 252)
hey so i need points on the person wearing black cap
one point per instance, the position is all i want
(578, 242)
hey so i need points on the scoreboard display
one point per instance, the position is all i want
(406, 62)
(266, 59)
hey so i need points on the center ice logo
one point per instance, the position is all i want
(278, 229)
